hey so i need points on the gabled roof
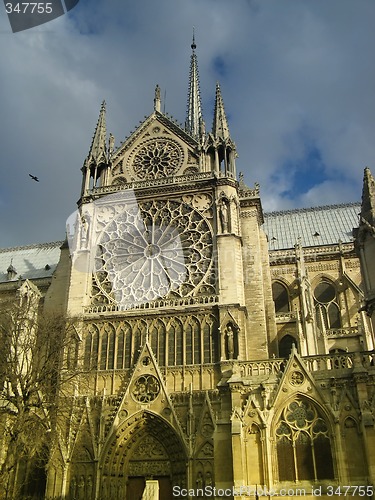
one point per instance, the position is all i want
(30, 262)
(315, 226)
(166, 120)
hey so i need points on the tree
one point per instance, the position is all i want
(34, 348)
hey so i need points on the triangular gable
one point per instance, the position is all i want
(296, 380)
(83, 447)
(146, 390)
(158, 148)
(166, 127)
(252, 412)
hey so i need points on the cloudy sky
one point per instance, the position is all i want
(297, 77)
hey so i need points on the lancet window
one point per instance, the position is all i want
(326, 305)
(107, 352)
(303, 444)
(280, 297)
(174, 342)
(91, 347)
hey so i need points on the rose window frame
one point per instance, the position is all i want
(146, 389)
(157, 158)
(153, 250)
(301, 416)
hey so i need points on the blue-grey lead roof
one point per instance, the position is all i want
(314, 226)
(30, 262)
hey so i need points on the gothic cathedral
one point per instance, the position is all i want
(221, 350)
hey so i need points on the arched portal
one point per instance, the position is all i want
(144, 447)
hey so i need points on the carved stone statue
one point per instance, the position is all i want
(81, 488)
(230, 341)
(89, 487)
(208, 481)
(199, 481)
(85, 225)
(223, 209)
(111, 143)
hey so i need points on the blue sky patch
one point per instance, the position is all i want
(220, 67)
(304, 173)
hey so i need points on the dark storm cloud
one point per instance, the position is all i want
(294, 76)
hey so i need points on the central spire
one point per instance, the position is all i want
(194, 120)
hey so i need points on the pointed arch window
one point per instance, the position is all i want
(328, 314)
(72, 353)
(136, 341)
(208, 342)
(91, 348)
(189, 344)
(157, 340)
(280, 297)
(303, 444)
(123, 347)
(120, 349)
(175, 344)
(107, 351)
(254, 453)
(193, 348)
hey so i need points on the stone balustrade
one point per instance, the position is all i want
(157, 304)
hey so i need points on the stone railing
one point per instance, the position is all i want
(329, 361)
(324, 362)
(267, 367)
(310, 254)
(156, 304)
(163, 181)
(283, 317)
(342, 332)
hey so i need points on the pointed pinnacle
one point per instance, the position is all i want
(220, 126)
(98, 149)
(368, 197)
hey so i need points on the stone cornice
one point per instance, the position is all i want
(312, 254)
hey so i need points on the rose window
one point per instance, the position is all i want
(299, 413)
(301, 416)
(146, 388)
(157, 158)
(297, 378)
(153, 250)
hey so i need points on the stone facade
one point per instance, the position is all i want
(207, 359)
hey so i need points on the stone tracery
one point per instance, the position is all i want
(157, 249)
(157, 158)
(303, 443)
(174, 341)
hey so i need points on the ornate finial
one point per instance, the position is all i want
(193, 44)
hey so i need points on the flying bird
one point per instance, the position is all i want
(34, 178)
